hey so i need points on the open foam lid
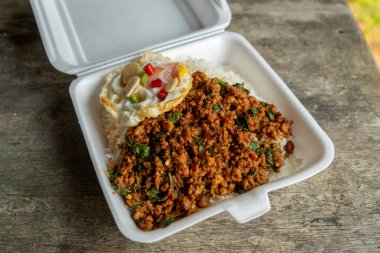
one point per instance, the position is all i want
(80, 36)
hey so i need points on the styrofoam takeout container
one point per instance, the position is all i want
(89, 38)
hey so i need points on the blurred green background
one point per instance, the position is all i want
(367, 14)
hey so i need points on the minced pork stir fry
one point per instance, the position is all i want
(217, 141)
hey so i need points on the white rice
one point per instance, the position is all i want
(214, 70)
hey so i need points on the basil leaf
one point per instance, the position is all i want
(255, 146)
(113, 175)
(254, 173)
(270, 149)
(217, 108)
(270, 114)
(242, 122)
(199, 141)
(223, 86)
(200, 84)
(208, 95)
(123, 191)
(137, 167)
(239, 189)
(218, 81)
(166, 221)
(153, 196)
(241, 86)
(154, 137)
(129, 141)
(142, 150)
(174, 116)
(254, 111)
(269, 160)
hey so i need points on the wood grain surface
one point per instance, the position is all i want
(50, 199)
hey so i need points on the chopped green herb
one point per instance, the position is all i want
(220, 82)
(123, 191)
(152, 192)
(129, 141)
(255, 146)
(223, 86)
(137, 188)
(199, 141)
(241, 86)
(141, 150)
(270, 114)
(254, 173)
(166, 221)
(200, 84)
(137, 167)
(208, 95)
(270, 149)
(153, 196)
(217, 108)
(269, 157)
(166, 178)
(239, 189)
(137, 221)
(137, 203)
(242, 122)
(112, 175)
(174, 116)
(269, 160)
(210, 149)
(254, 111)
(155, 137)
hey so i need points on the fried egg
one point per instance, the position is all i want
(145, 88)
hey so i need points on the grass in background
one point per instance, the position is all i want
(367, 14)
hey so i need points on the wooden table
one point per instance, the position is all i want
(50, 199)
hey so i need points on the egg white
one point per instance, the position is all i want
(130, 114)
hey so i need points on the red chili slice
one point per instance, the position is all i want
(162, 94)
(149, 69)
(156, 83)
